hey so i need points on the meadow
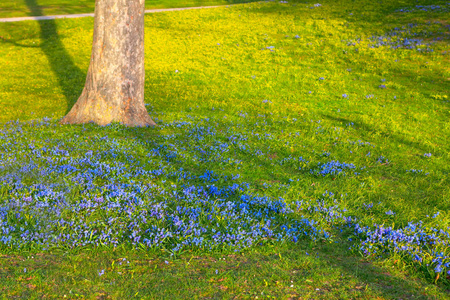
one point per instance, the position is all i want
(302, 152)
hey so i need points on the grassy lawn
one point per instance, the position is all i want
(23, 8)
(302, 151)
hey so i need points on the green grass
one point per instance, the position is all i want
(216, 68)
(24, 8)
(282, 273)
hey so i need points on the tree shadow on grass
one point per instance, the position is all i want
(363, 127)
(368, 275)
(70, 77)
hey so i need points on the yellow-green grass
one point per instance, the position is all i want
(24, 8)
(220, 64)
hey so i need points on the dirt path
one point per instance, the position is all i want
(38, 18)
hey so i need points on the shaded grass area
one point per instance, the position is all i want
(245, 90)
(21, 8)
(299, 271)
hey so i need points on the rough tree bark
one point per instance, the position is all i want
(114, 88)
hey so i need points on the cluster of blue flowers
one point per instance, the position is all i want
(428, 8)
(414, 171)
(424, 245)
(406, 37)
(73, 193)
(91, 190)
(333, 168)
(411, 37)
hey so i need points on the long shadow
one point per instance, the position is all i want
(380, 280)
(70, 77)
(366, 128)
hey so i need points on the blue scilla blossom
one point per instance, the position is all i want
(415, 171)
(445, 7)
(382, 160)
(332, 168)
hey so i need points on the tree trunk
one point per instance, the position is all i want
(114, 88)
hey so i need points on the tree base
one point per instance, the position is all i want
(96, 110)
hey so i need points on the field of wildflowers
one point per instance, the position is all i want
(280, 124)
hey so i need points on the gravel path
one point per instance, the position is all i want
(38, 18)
